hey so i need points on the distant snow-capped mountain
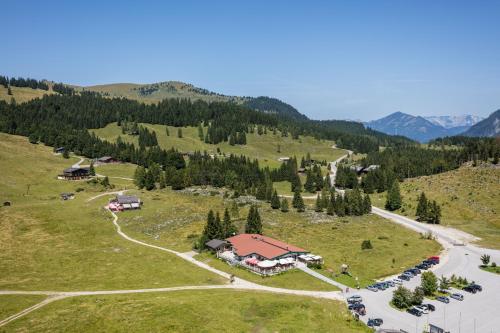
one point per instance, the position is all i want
(423, 129)
(455, 121)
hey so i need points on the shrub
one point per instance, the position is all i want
(79, 189)
(402, 297)
(366, 245)
(493, 264)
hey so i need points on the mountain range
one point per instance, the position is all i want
(486, 127)
(423, 129)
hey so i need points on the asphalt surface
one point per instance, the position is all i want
(477, 313)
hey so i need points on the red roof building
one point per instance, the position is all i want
(245, 245)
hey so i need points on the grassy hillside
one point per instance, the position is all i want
(338, 240)
(47, 243)
(155, 92)
(22, 94)
(190, 311)
(469, 197)
(12, 304)
(263, 147)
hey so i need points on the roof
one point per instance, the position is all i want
(267, 247)
(215, 243)
(105, 158)
(127, 199)
(71, 170)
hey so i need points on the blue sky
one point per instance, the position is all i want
(331, 60)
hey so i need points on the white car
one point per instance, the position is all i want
(397, 281)
(355, 299)
(423, 309)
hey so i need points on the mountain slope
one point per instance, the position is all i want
(462, 122)
(487, 127)
(416, 128)
(274, 105)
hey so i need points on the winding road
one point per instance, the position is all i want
(477, 313)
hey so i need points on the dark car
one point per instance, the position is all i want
(404, 277)
(476, 287)
(415, 271)
(470, 289)
(443, 299)
(423, 266)
(429, 262)
(375, 322)
(356, 306)
(414, 311)
(430, 307)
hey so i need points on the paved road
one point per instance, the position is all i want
(321, 277)
(477, 313)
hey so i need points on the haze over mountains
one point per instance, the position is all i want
(423, 129)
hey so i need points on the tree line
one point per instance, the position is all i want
(23, 82)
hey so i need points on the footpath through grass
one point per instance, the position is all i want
(469, 199)
(191, 311)
(50, 244)
(338, 240)
(12, 304)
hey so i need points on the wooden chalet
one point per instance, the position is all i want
(75, 173)
(106, 159)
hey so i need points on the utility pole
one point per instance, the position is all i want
(460, 322)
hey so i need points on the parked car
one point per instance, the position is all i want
(457, 296)
(434, 259)
(397, 281)
(404, 277)
(390, 283)
(375, 322)
(422, 308)
(476, 286)
(355, 306)
(355, 299)
(443, 299)
(470, 289)
(431, 307)
(414, 311)
(372, 288)
(429, 262)
(408, 274)
(414, 271)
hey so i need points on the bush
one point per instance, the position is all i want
(366, 245)
(402, 297)
(79, 189)
(493, 264)
(315, 265)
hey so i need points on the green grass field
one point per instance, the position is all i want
(262, 147)
(469, 198)
(12, 304)
(190, 311)
(338, 240)
(22, 94)
(50, 244)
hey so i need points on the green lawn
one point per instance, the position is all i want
(469, 198)
(338, 240)
(190, 311)
(50, 244)
(293, 279)
(261, 147)
(12, 304)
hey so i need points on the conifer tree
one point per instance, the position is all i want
(228, 228)
(298, 202)
(309, 184)
(212, 228)
(149, 181)
(254, 223)
(235, 212)
(139, 177)
(92, 169)
(422, 211)
(434, 213)
(65, 153)
(179, 132)
(367, 204)
(284, 205)
(319, 204)
(393, 197)
(200, 132)
(275, 200)
(105, 182)
(330, 208)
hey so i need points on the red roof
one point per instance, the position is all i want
(267, 247)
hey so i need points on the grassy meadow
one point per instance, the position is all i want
(262, 147)
(469, 199)
(22, 94)
(12, 304)
(338, 240)
(50, 244)
(190, 311)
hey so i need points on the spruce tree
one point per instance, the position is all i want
(228, 228)
(330, 208)
(92, 169)
(275, 200)
(65, 153)
(254, 223)
(139, 177)
(319, 204)
(367, 204)
(393, 197)
(309, 184)
(422, 211)
(284, 205)
(149, 181)
(298, 202)
(200, 132)
(212, 228)
(105, 182)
